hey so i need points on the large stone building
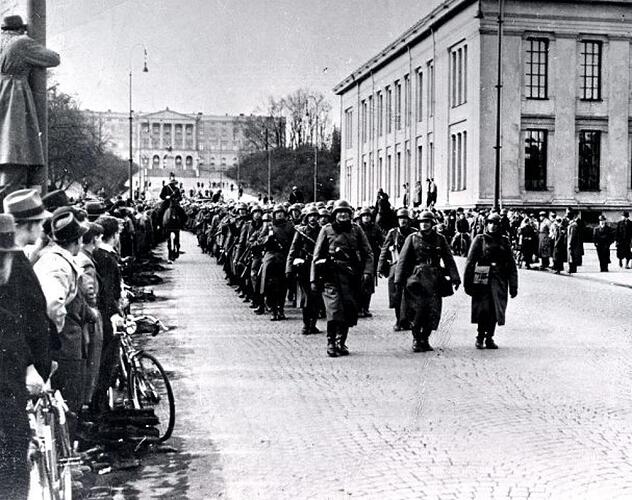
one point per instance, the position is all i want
(426, 107)
(198, 148)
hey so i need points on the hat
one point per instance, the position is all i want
(55, 199)
(65, 226)
(25, 205)
(602, 217)
(12, 23)
(7, 233)
(542, 212)
(403, 213)
(626, 213)
(95, 209)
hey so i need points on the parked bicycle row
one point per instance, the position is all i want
(66, 350)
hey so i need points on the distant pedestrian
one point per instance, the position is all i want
(574, 243)
(560, 245)
(417, 200)
(431, 198)
(490, 272)
(623, 237)
(603, 236)
(544, 241)
(296, 196)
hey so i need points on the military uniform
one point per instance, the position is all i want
(299, 261)
(342, 260)
(376, 239)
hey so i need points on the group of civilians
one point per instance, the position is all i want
(60, 285)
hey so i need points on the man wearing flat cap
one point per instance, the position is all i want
(21, 153)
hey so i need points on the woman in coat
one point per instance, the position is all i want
(21, 154)
(420, 276)
(490, 272)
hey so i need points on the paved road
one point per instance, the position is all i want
(263, 413)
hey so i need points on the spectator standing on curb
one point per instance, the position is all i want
(21, 153)
(107, 266)
(417, 200)
(575, 247)
(24, 346)
(490, 272)
(624, 239)
(544, 241)
(58, 274)
(602, 238)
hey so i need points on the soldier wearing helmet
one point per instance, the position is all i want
(423, 280)
(343, 261)
(244, 254)
(275, 239)
(490, 272)
(323, 216)
(376, 238)
(387, 264)
(298, 266)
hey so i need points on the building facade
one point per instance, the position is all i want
(425, 107)
(198, 148)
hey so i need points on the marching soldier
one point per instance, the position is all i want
(255, 265)
(376, 239)
(243, 253)
(299, 261)
(276, 241)
(343, 260)
(423, 281)
(490, 271)
(387, 266)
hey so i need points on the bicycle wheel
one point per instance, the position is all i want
(150, 388)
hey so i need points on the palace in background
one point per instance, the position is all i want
(198, 148)
(426, 107)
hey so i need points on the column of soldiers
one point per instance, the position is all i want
(326, 257)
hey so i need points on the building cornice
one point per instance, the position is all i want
(422, 29)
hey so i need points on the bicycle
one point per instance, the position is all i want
(144, 380)
(53, 456)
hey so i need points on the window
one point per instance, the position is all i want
(431, 90)
(389, 110)
(371, 119)
(589, 159)
(363, 179)
(349, 128)
(591, 71)
(398, 105)
(380, 170)
(178, 134)
(430, 166)
(458, 74)
(363, 119)
(537, 68)
(407, 101)
(420, 95)
(535, 151)
(371, 179)
(380, 114)
(420, 155)
(155, 161)
(398, 173)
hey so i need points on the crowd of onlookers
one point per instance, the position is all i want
(60, 285)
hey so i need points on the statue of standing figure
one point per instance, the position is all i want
(21, 154)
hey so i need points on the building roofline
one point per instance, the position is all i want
(423, 28)
(438, 16)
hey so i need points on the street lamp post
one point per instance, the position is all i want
(316, 163)
(499, 86)
(131, 122)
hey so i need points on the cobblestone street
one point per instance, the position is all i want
(263, 413)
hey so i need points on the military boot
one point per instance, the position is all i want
(275, 314)
(312, 326)
(281, 314)
(489, 343)
(425, 344)
(261, 309)
(417, 341)
(332, 352)
(479, 341)
(341, 344)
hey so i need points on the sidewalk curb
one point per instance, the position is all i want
(605, 282)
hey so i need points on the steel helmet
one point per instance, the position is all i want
(256, 208)
(295, 206)
(403, 213)
(323, 212)
(342, 205)
(241, 206)
(279, 208)
(365, 211)
(311, 211)
(427, 215)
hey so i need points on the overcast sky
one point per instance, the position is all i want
(216, 56)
